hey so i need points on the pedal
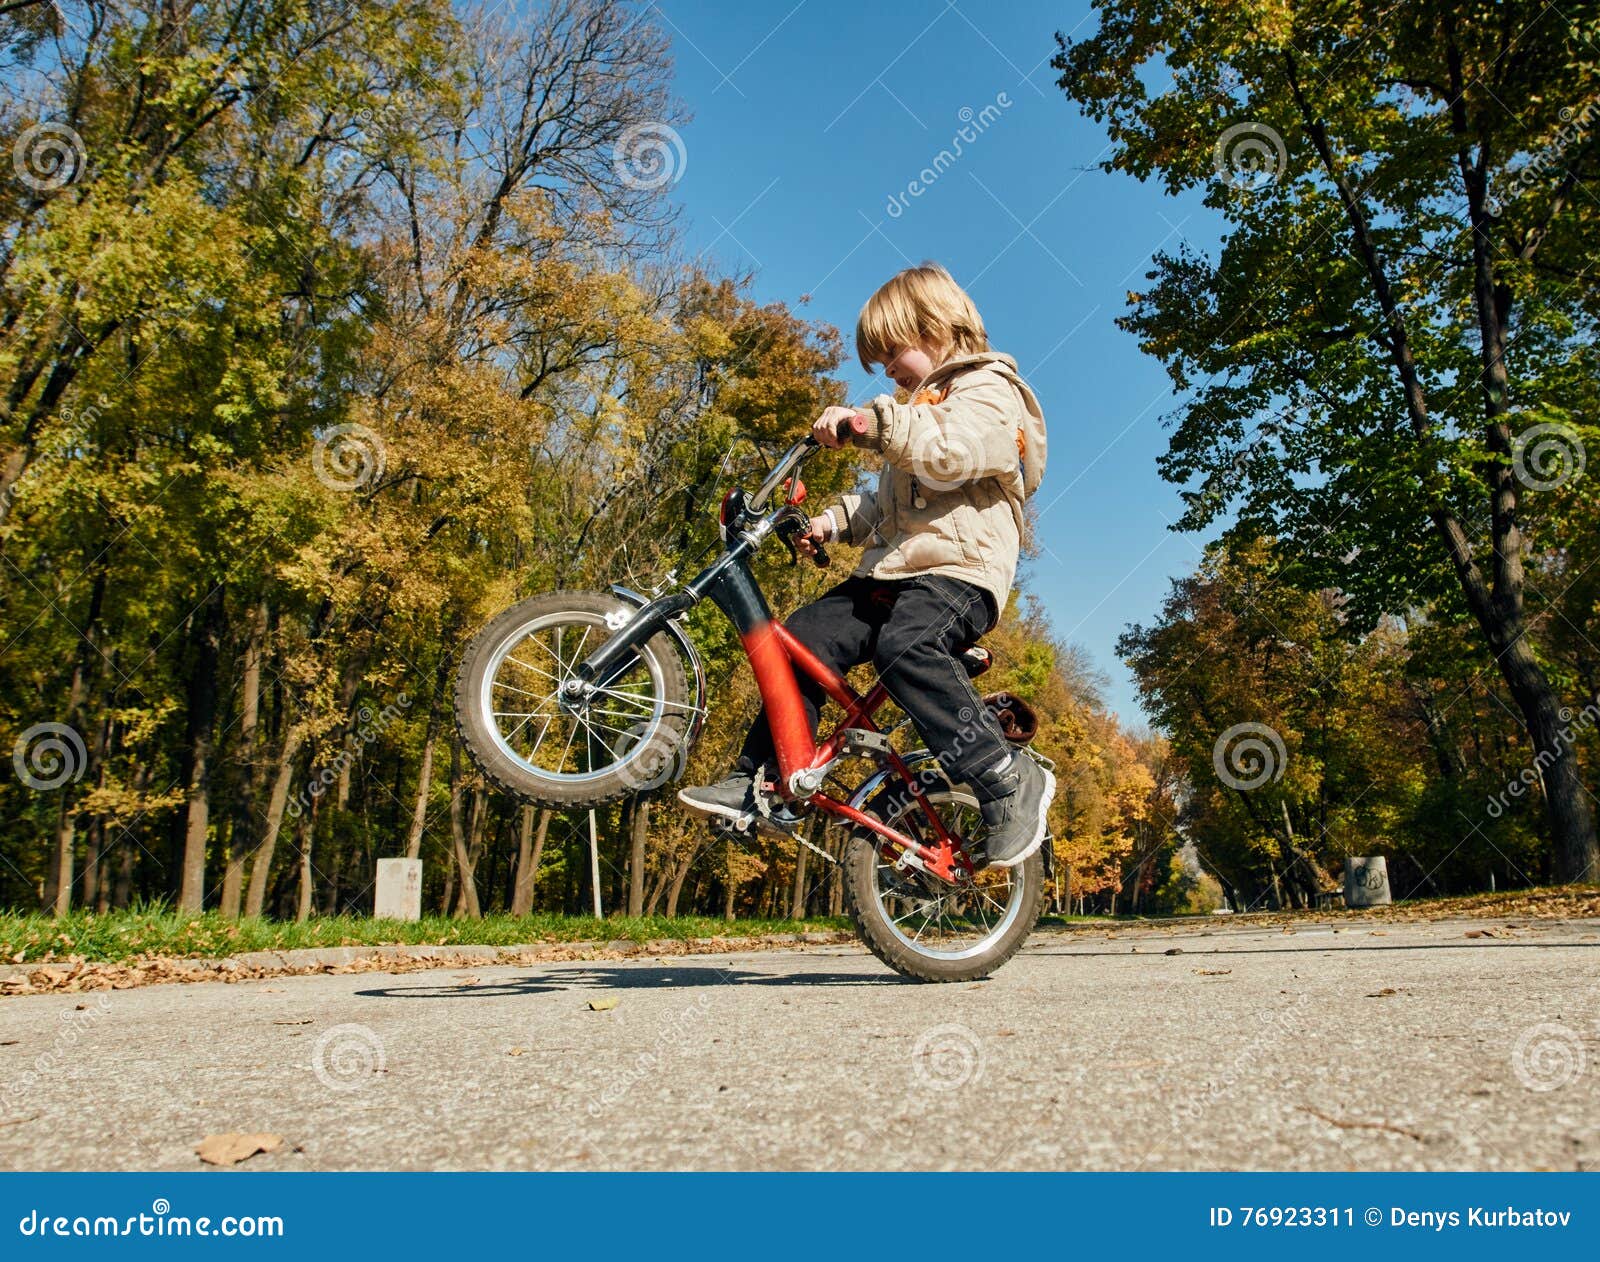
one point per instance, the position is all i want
(857, 740)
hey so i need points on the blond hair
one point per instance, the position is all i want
(920, 304)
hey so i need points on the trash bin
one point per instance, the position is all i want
(1366, 881)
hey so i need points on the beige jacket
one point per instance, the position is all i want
(956, 472)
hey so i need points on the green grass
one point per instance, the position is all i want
(25, 938)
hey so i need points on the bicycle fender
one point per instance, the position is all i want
(681, 638)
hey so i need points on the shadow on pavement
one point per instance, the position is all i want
(1319, 949)
(608, 977)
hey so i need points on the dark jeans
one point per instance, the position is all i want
(909, 630)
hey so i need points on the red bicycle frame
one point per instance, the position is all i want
(775, 655)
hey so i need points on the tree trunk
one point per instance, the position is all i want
(528, 861)
(678, 879)
(467, 899)
(247, 780)
(67, 820)
(94, 869)
(66, 842)
(1496, 602)
(206, 635)
(797, 894)
(639, 832)
(261, 863)
(305, 831)
(419, 813)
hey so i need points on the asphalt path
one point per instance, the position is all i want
(1454, 1045)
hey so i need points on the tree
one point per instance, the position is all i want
(1378, 362)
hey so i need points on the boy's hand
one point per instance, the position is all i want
(825, 429)
(821, 530)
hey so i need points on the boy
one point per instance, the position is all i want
(942, 534)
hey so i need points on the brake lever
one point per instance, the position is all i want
(786, 532)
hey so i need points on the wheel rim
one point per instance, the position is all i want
(939, 921)
(618, 729)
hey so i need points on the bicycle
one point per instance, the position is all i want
(578, 698)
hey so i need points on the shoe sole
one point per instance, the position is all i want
(740, 819)
(1045, 798)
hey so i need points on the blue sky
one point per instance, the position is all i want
(809, 118)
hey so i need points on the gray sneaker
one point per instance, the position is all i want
(733, 799)
(1016, 803)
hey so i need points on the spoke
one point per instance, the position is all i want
(519, 727)
(539, 739)
(542, 696)
(561, 764)
(591, 727)
(578, 649)
(621, 714)
(655, 701)
(534, 639)
(537, 670)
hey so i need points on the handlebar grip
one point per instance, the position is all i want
(851, 427)
(820, 556)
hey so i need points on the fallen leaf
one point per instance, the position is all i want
(1379, 994)
(1213, 972)
(232, 1148)
(604, 1005)
(1174, 951)
(307, 1021)
(515, 1051)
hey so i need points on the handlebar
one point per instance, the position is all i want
(789, 522)
(797, 456)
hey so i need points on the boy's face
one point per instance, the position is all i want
(908, 365)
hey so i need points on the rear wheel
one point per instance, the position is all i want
(925, 928)
(627, 737)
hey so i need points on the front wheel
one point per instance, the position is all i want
(929, 930)
(629, 736)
